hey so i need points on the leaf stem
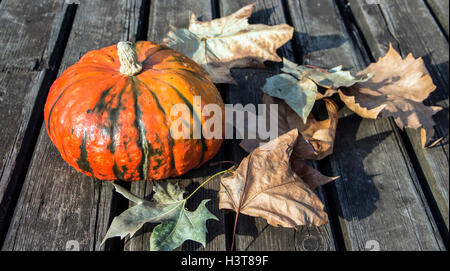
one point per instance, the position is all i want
(207, 181)
(234, 231)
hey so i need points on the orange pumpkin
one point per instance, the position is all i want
(109, 114)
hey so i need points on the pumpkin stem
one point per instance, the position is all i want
(129, 64)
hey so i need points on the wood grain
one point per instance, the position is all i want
(409, 26)
(28, 36)
(58, 204)
(378, 195)
(440, 9)
(162, 14)
(384, 171)
(255, 233)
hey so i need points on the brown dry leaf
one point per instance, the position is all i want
(264, 185)
(315, 142)
(319, 134)
(309, 175)
(328, 93)
(397, 89)
(317, 137)
(229, 42)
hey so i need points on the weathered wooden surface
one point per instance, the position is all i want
(28, 35)
(391, 191)
(440, 9)
(178, 15)
(417, 33)
(377, 192)
(255, 233)
(58, 204)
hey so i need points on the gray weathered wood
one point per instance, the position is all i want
(177, 13)
(58, 204)
(409, 26)
(440, 10)
(255, 233)
(28, 35)
(378, 195)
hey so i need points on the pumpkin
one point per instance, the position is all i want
(109, 114)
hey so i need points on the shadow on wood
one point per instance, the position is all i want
(248, 228)
(319, 43)
(364, 194)
(439, 97)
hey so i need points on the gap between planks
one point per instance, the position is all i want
(255, 233)
(16, 180)
(382, 135)
(413, 34)
(178, 16)
(59, 204)
(440, 11)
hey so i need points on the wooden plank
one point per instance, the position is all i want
(440, 9)
(378, 195)
(163, 13)
(255, 233)
(58, 204)
(409, 26)
(28, 35)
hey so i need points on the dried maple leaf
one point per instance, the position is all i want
(317, 137)
(298, 85)
(229, 42)
(264, 185)
(397, 89)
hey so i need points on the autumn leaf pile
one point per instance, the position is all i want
(275, 181)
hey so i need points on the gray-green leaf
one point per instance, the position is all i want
(298, 85)
(299, 95)
(181, 226)
(168, 209)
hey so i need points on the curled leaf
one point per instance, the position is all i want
(300, 95)
(319, 134)
(309, 175)
(317, 137)
(264, 185)
(330, 79)
(397, 89)
(229, 42)
(298, 85)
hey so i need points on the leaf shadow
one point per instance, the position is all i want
(262, 16)
(247, 226)
(311, 44)
(307, 44)
(355, 180)
(440, 75)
